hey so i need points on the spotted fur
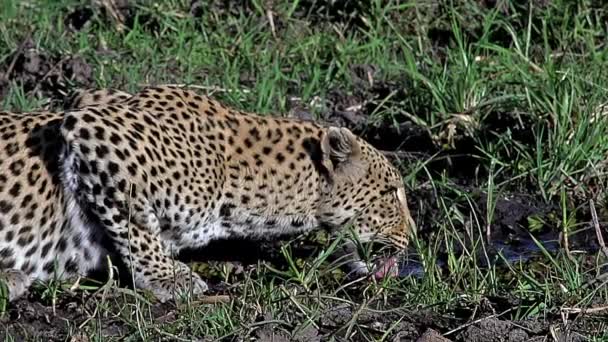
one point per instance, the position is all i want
(168, 169)
(42, 233)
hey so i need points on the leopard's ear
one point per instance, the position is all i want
(342, 153)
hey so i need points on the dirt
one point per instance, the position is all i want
(416, 325)
(78, 18)
(30, 319)
(43, 74)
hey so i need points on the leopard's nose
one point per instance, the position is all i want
(401, 235)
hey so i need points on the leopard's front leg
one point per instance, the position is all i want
(136, 237)
(155, 270)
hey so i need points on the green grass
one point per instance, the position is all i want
(544, 68)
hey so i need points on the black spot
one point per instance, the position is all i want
(45, 249)
(11, 149)
(48, 267)
(117, 219)
(119, 154)
(226, 209)
(62, 245)
(132, 170)
(99, 133)
(15, 190)
(113, 168)
(176, 175)
(69, 123)
(7, 263)
(245, 199)
(5, 207)
(138, 127)
(31, 251)
(16, 167)
(84, 149)
(6, 252)
(71, 266)
(87, 117)
(22, 241)
(102, 151)
(122, 185)
(103, 178)
(255, 134)
(84, 134)
(115, 139)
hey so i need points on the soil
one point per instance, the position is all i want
(29, 319)
(45, 74)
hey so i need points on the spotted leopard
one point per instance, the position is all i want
(168, 169)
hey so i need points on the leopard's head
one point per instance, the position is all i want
(364, 189)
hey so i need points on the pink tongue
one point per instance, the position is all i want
(386, 267)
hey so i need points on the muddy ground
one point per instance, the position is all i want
(30, 319)
(52, 76)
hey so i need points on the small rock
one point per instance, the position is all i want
(431, 335)
(308, 334)
(79, 338)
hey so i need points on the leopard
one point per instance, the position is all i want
(36, 233)
(166, 169)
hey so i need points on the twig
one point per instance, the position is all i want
(600, 278)
(11, 66)
(598, 231)
(210, 89)
(298, 305)
(172, 336)
(54, 68)
(212, 299)
(476, 321)
(353, 320)
(566, 242)
(554, 333)
(586, 310)
(76, 284)
(112, 9)
(403, 154)
(271, 22)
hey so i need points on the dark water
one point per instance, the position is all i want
(496, 253)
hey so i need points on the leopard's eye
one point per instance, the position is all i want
(388, 190)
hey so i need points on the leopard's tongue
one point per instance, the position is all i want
(386, 267)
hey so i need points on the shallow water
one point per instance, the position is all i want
(498, 252)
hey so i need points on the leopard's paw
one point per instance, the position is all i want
(17, 282)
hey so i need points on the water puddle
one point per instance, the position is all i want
(498, 253)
